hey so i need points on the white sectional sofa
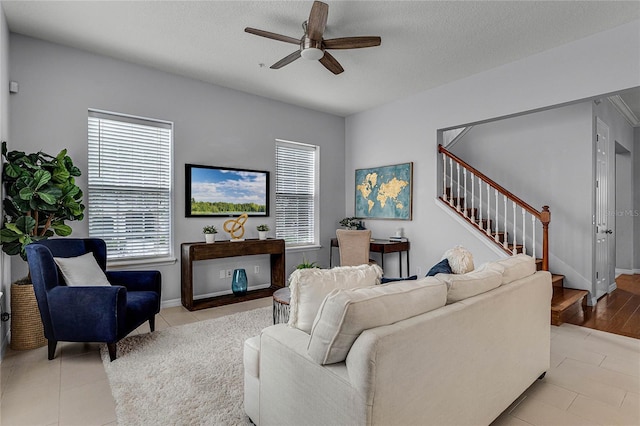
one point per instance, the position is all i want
(444, 350)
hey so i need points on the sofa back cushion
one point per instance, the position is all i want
(463, 286)
(345, 314)
(309, 287)
(517, 267)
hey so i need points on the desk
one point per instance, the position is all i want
(192, 252)
(380, 246)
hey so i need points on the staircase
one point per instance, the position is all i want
(507, 221)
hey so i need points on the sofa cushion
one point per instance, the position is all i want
(345, 314)
(517, 267)
(460, 260)
(309, 287)
(462, 286)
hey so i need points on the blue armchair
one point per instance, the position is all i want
(90, 314)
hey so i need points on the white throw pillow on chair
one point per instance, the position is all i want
(82, 271)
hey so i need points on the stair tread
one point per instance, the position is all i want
(563, 297)
(557, 280)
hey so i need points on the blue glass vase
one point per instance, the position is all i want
(239, 282)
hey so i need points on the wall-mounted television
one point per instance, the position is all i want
(225, 191)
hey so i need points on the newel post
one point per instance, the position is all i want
(545, 218)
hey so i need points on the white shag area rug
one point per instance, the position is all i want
(185, 375)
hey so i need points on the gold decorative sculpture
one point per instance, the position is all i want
(235, 227)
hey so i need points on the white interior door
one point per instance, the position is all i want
(602, 229)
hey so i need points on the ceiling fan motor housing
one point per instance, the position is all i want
(311, 49)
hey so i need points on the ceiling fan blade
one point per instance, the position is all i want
(273, 36)
(317, 20)
(286, 60)
(331, 63)
(352, 42)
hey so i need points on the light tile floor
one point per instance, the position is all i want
(594, 379)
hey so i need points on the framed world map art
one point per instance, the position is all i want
(384, 192)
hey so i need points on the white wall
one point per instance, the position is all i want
(406, 130)
(5, 268)
(213, 125)
(545, 158)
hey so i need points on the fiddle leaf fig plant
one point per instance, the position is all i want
(40, 195)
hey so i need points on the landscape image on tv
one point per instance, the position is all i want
(218, 191)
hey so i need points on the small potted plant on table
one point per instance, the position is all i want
(210, 232)
(352, 223)
(262, 231)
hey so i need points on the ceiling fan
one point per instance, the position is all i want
(312, 45)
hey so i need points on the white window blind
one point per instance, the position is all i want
(296, 193)
(129, 182)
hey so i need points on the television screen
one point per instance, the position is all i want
(225, 191)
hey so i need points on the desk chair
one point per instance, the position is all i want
(354, 246)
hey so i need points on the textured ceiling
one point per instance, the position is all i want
(424, 43)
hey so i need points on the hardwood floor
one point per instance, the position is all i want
(618, 312)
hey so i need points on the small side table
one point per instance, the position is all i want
(281, 299)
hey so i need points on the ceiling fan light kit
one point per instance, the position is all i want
(312, 46)
(312, 53)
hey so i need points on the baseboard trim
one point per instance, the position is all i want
(620, 271)
(612, 287)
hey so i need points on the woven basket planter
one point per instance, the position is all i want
(27, 331)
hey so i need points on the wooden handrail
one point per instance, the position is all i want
(543, 216)
(492, 183)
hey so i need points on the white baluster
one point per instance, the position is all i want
(488, 230)
(458, 182)
(444, 178)
(451, 182)
(473, 198)
(504, 239)
(464, 170)
(533, 235)
(515, 237)
(524, 233)
(480, 203)
(497, 210)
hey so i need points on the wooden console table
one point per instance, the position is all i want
(192, 252)
(382, 247)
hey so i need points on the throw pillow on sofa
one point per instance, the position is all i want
(441, 267)
(385, 280)
(460, 260)
(309, 287)
(345, 314)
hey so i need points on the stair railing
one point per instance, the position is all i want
(461, 182)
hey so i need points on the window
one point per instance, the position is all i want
(297, 193)
(129, 181)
